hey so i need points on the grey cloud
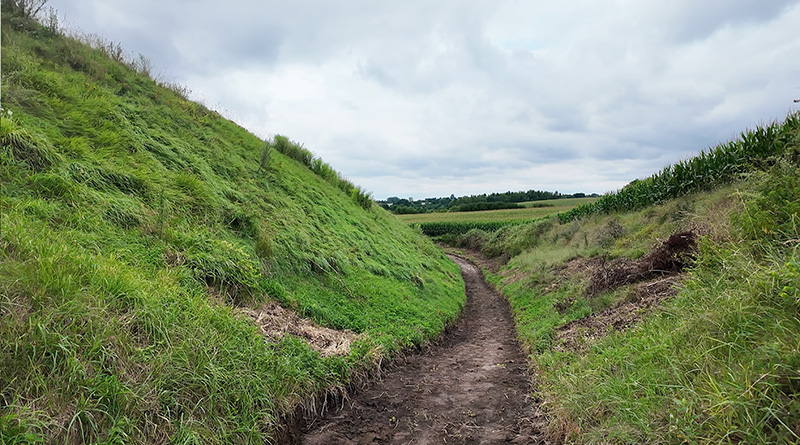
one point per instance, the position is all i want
(698, 20)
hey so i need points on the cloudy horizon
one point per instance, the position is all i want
(426, 99)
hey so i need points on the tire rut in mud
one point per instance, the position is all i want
(472, 387)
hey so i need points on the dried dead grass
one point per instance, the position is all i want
(277, 322)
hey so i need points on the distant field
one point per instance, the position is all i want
(559, 205)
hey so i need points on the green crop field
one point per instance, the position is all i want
(455, 223)
(528, 213)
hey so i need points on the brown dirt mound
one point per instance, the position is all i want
(669, 258)
(651, 287)
(276, 322)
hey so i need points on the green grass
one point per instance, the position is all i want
(718, 363)
(135, 223)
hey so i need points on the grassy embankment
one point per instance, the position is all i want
(719, 361)
(135, 227)
(455, 223)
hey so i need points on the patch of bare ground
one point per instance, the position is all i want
(276, 322)
(580, 334)
(471, 387)
(653, 278)
(669, 258)
(492, 264)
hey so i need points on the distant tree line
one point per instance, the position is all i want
(492, 201)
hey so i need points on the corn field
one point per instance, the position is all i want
(722, 164)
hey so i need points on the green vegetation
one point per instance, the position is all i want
(137, 226)
(318, 166)
(438, 229)
(446, 224)
(719, 362)
(492, 201)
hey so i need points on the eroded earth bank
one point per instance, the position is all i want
(472, 387)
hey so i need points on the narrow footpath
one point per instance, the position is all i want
(472, 387)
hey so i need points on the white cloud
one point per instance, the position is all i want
(431, 98)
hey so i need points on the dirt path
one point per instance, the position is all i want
(470, 388)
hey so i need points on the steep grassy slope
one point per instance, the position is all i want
(628, 349)
(137, 226)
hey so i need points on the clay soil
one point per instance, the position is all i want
(471, 387)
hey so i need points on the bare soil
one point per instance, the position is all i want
(668, 259)
(653, 278)
(471, 387)
(580, 334)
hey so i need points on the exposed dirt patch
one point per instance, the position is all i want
(654, 276)
(577, 268)
(669, 258)
(580, 334)
(493, 265)
(275, 322)
(472, 387)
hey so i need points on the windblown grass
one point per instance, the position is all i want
(135, 223)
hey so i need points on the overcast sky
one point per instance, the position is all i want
(428, 98)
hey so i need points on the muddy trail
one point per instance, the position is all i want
(471, 387)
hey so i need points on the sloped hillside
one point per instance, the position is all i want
(674, 321)
(167, 276)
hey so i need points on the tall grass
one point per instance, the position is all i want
(719, 363)
(300, 154)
